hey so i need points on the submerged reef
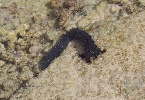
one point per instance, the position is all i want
(29, 28)
(88, 15)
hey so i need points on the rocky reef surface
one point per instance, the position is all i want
(28, 29)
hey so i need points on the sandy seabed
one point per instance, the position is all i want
(117, 74)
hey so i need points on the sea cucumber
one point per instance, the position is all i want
(90, 49)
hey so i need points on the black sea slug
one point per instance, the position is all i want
(90, 49)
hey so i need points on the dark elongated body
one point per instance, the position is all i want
(90, 49)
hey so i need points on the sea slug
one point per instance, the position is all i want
(90, 49)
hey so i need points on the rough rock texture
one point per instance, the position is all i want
(21, 41)
(84, 13)
(27, 32)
